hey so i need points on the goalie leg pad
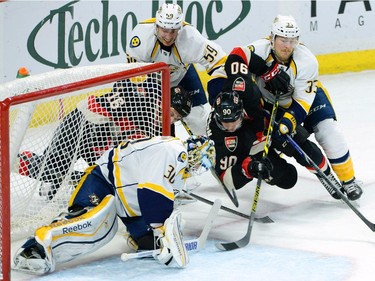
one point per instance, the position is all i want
(171, 243)
(67, 239)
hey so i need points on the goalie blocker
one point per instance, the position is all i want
(118, 186)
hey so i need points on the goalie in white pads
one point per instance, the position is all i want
(134, 181)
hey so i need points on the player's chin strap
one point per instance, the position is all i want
(190, 245)
(230, 192)
(246, 239)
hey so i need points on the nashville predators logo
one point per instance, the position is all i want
(182, 157)
(135, 42)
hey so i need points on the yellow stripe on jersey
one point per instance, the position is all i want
(319, 85)
(118, 183)
(150, 20)
(78, 187)
(220, 63)
(293, 67)
(155, 49)
(177, 54)
(306, 106)
(157, 188)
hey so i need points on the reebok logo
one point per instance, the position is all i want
(191, 246)
(77, 227)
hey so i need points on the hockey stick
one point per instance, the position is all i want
(231, 194)
(195, 244)
(328, 181)
(228, 246)
(265, 219)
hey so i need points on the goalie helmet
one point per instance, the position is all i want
(181, 100)
(201, 154)
(169, 16)
(285, 26)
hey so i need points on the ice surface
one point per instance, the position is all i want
(314, 237)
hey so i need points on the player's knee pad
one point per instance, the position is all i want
(331, 139)
(70, 238)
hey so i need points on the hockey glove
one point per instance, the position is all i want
(287, 123)
(276, 79)
(257, 168)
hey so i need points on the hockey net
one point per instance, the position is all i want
(54, 125)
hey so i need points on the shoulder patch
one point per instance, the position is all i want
(182, 157)
(135, 42)
(239, 85)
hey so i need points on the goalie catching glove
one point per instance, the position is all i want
(276, 79)
(257, 168)
(169, 239)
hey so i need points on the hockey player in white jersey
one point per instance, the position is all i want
(167, 38)
(305, 101)
(135, 182)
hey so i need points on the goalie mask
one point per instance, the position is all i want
(201, 154)
(181, 100)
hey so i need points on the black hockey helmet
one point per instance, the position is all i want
(228, 107)
(181, 100)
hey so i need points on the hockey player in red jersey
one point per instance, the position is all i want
(303, 100)
(135, 182)
(239, 147)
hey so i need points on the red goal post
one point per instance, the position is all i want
(36, 122)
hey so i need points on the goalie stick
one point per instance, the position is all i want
(329, 182)
(195, 244)
(265, 219)
(228, 246)
(231, 194)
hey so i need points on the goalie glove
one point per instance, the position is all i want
(276, 79)
(169, 239)
(257, 168)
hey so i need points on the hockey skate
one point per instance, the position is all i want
(352, 189)
(32, 258)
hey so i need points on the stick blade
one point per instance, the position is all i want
(229, 246)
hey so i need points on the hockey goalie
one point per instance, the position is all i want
(134, 181)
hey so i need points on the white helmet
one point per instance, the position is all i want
(285, 26)
(169, 16)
